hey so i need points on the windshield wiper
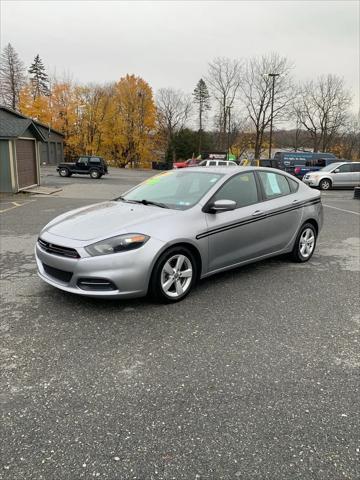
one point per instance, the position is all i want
(143, 202)
(122, 199)
(150, 202)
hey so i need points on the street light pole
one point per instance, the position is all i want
(273, 76)
(229, 131)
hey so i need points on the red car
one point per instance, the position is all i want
(189, 163)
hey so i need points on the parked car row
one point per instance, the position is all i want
(323, 172)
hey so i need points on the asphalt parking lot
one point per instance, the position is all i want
(255, 375)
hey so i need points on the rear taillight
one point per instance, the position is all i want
(297, 170)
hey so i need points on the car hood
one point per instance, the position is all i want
(104, 220)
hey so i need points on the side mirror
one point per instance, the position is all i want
(336, 170)
(221, 206)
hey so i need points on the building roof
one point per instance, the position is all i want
(13, 124)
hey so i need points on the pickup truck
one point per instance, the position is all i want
(96, 167)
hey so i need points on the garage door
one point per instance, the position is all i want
(26, 163)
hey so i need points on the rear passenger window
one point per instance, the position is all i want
(222, 163)
(274, 185)
(293, 185)
(95, 160)
(212, 163)
(241, 189)
(355, 167)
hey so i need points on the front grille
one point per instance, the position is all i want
(58, 274)
(58, 250)
(95, 284)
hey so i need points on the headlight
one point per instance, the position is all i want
(121, 243)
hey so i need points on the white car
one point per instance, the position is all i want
(339, 174)
(217, 163)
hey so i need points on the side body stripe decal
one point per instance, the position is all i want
(241, 223)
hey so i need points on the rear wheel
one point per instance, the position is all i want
(64, 172)
(325, 184)
(305, 243)
(174, 275)
(95, 174)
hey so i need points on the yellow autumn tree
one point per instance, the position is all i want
(128, 129)
(93, 102)
(37, 108)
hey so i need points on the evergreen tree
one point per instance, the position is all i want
(12, 77)
(202, 99)
(38, 78)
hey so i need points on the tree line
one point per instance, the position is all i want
(230, 108)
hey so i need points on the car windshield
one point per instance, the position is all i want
(329, 167)
(174, 189)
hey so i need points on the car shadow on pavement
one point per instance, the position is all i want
(208, 286)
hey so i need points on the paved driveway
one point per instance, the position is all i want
(255, 375)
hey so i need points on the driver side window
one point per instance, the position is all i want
(344, 168)
(241, 189)
(83, 160)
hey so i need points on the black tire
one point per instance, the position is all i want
(325, 184)
(156, 290)
(64, 172)
(298, 255)
(94, 174)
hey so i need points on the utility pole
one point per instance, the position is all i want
(229, 131)
(273, 76)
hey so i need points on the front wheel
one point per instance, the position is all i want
(305, 243)
(64, 172)
(325, 184)
(174, 275)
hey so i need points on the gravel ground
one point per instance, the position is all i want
(255, 375)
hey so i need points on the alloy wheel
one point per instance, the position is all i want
(307, 243)
(325, 185)
(176, 276)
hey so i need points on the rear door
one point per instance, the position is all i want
(281, 211)
(355, 169)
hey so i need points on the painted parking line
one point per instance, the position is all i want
(341, 209)
(16, 205)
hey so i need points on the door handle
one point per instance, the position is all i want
(295, 201)
(257, 212)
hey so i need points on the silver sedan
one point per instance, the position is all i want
(176, 228)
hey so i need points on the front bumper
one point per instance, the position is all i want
(310, 181)
(129, 272)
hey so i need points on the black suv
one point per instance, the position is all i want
(86, 165)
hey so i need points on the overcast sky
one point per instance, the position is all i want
(169, 43)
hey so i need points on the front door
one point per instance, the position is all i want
(82, 165)
(343, 177)
(233, 236)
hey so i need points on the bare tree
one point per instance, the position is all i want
(174, 108)
(348, 142)
(257, 90)
(224, 78)
(12, 77)
(322, 109)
